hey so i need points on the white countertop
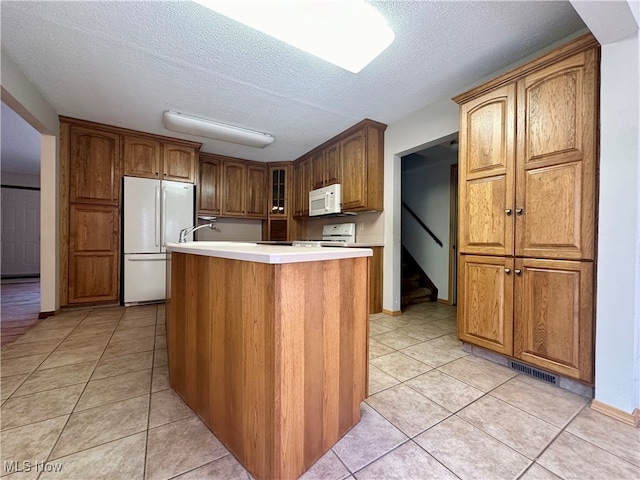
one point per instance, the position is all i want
(275, 254)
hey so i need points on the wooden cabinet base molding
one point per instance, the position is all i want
(632, 419)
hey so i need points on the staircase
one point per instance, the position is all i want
(416, 285)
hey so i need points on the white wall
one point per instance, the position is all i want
(232, 229)
(417, 131)
(427, 191)
(369, 226)
(22, 96)
(20, 179)
(619, 230)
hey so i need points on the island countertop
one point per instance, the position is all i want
(272, 254)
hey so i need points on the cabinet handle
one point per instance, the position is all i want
(519, 211)
(507, 271)
(508, 212)
(518, 271)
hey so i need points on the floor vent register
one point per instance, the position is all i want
(534, 372)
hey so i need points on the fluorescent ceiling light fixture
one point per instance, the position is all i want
(201, 127)
(347, 33)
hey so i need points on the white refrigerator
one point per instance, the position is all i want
(154, 213)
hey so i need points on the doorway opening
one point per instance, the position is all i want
(429, 222)
(20, 231)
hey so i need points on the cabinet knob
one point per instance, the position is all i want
(507, 271)
(518, 271)
(508, 212)
(519, 211)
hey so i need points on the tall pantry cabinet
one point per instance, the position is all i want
(527, 211)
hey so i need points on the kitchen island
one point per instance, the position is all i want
(269, 346)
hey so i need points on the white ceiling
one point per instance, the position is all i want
(125, 63)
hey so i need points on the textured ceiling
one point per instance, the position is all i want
(125, 63)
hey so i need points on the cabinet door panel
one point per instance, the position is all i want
(556, 158)
(93, 253)
(256, 191)
(296, 201)
(553, 321)
(486, 182)
(318, 170)
(353, 154)
(332, 165)
(550, 226)
(488, 228)
(178, 163)
(280, 185)
(233, 195)
(485, 302)
(141, 157)
(94, 166)
(209, 187)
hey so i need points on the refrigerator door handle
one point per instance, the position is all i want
(146, 259)
(157, 217)
(163, 216)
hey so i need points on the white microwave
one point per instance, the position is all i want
(325, 200)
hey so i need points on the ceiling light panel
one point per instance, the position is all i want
(347, 33)
(182, 123)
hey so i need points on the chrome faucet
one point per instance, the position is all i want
(189, 230)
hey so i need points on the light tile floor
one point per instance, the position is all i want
(87, 392)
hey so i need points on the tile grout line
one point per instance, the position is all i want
(81, 393)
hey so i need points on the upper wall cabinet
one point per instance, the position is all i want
(209, 188)
(178, 163)
(94, 166)
(326, 167)
(149, 158)
(362, 155)
(244, 189)
(355, 159)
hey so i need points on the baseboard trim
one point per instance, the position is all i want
(393, 313)
(443, 301)
(632, 419)
(43, 315)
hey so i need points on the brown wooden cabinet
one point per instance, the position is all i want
(527, 162)
(148, 158)
(355, 159)
(244, 189)
(93, 158)
(233, 192)
(142, 157)
(362, 158)
(553, 328)
(486, 173)
(375, 279)
(93, 253)
(256, 190)
(209, 186)
(302, 181)
(485, 302)
(94, 166)
(326, 167)
(277, 227)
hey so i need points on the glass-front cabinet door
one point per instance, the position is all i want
(279, 191)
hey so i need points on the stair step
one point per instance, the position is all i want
(414, 300)
(408, 286)
(410, 277)
(417, 292)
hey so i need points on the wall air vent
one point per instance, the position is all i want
(534, 372)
